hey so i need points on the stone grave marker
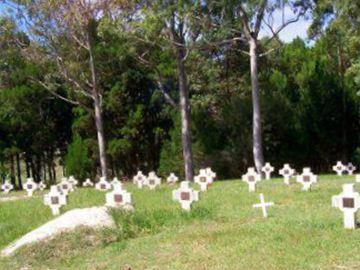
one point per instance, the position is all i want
(350, 168)
(339, 168)
(55, 199)
(65, 186)
(115, 181)
(307, 178)
(348, 201)
(30, 186)
(73, 181)
(205, 178)
(172, 179)
(251, 178)
(263, 205)
(211, 174)
(103, 185)
(185, 195)
(267, 169)
(119, 197)
(87, 183)
(287, 172)
(42, 185)
(152, 181)
(7, 187)
(139, 179)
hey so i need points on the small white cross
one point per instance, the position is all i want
(65, 186)
(339, 168)
(88, 183)
(350, 168)
(267, 169)
(251, 178)
(307, 178)
(152, 181)
(30, 186)
(7, 187)
(41, 186)
(172, 179)
(119, 197)
(73, 181)
(210, 173)
(185, 195)
(139, 179)
(103, 184)
(115, 181)
(263, 205)
(204, 178)
(287, 172)
(55, 200)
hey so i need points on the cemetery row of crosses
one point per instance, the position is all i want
(348, 201)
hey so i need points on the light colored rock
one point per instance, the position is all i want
(251, 178)
(185, 195)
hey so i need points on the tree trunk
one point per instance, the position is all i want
(12, 171)
(257, 136)
(185, 116)
(18, 170)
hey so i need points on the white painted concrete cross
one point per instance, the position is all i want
(339, 168)
(307, 178)
(55, 200)
(88, 183)
(73, 181)
(7, 187)
(211, 174)
(350, 168)
(30, 186)
(139, 179)
(152, 181)
(287, 172)
(263, 205)
(65, 186)
(115, 181)
(185, 195)
(203, 179)
(119, 197)
(172, 179)
(251, 178)
(42, 185)
(267, 169)
(348, 201)
(103, 185)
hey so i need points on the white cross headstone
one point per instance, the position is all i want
(152, 181)
(115, 181)
(307, 178)
(65, 186)
(251, 178)
(185, 195)
(103, 184)
(88, 183)
(30, 186)
(287, 172)
(348, 201)
(73, 181)
(55, 199)
(7, 187)
(267, 169)
(139, 179)
(263, 205)
(42, 185)
(357, 178)
(339, 168)
(203, 179)
(350, 168)
(172, 179)
(211, 174)
(119, 197)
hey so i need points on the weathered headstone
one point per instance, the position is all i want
(42, 185)
(103, 185)
(307, 178)
(348, 201)
(211, 174)
(350, 168)
(205, 178)
(267, 169)
(251, 178)
(30, 186)
(55, 200)
(185, 195)
(172, 179)
(88, 183)
(7, 187)
(339, 168)
(65, 186)
(115, 181)
(152, 181)
(139, 179)
(263, 205)
(73, 181)
(287, 172)
(119, 197)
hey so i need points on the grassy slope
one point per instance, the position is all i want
(223, 231)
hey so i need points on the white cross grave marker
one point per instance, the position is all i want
(55, 199)
(65, 186)
(350, 168)
(119, 197)
(204, 178)
(41, 185)
(348, 201)
(267, 169)
(263, 205)
(7, 187)
(115, 181)
(286, 172)
(172, 179)
(307, 178)
(339, 168)
(88, 183)
(152, 181)
(103, 184)
(185, 195)
(211, 174)
(139, 179)
(73, 181)
(30, 186)
(251, 178)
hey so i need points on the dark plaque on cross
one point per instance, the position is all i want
(348, 202)
(251, 178)
(152, 182)
(29, 186)
(185, 196)
(54, 200)
(306, 178)
(118, 198)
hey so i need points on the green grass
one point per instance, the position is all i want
(222, 231)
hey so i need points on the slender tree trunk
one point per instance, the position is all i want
(27, 165)
(257, 136)
(12, 171)
(185, 116)
(18, 170)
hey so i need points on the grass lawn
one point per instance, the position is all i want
(222, 231)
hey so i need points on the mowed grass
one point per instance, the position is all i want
(222, 231)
